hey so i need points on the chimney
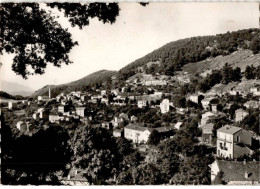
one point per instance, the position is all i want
(49, 93)
(246, 175)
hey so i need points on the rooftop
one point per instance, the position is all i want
(137, 127)
(229, 129)
(207, 128)
(235, 171)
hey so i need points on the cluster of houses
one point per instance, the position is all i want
(231, 142)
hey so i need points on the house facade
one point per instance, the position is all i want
(255, 91)
(207, 132)
(233, 142)
(206, 103)
(81, 111)
(136, 133)
(240, 114)
(12, 105)
(141, 103)
(118, 133)
(165, 106)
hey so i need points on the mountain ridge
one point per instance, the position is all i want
(92, 79)
(174, 56)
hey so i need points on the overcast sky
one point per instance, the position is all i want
(138, 30)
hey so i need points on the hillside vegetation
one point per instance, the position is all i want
(196, 55)
(94, 79)
(240, 59)
(174, 55)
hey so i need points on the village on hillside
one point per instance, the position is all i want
(129, 93)
(219, 127)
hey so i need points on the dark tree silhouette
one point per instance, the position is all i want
(35, 38)
(95, 150)
(34, 159)
(154, 138)
(79, 14)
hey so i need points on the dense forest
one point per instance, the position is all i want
(174, 55)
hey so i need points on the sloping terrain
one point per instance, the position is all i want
(240, 59)
(89, 80)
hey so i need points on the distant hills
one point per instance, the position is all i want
(95, 78)
(192, 55)
(15, 89)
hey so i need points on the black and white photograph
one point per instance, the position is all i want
(108, 93)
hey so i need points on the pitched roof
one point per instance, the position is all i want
(251, 103)
(229, 129)
(137, 127)
(117, 131)
(207, 128)
(235, 171)
(240, 111)
(162, 129)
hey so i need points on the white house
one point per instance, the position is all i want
(206, 117)
(63, 108)
(21, 125)
(104, 101)
(54, 118)
(141, 103)
(118, 122)
(165, 106)
(251, 104)
(233, 142)
(103, 92)
(43, 98)
(206, 103)
(255, 91)
(43, 113)
(81, 111)
(194, 98)
(133, 118)
(24, 126)
(36, 115)
(240, 114)
(12, 105)
(115, 91)
(155, 82)
(178, 125)
(136, 133)
(117, 133)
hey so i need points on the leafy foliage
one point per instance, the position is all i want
(154, 138)
(36, 38)
(33, 159)
(94, 151)
(79, 14)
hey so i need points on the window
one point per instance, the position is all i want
(238, 138)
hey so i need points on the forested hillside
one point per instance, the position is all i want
(185, 54)
(174, 55)
(94, 79)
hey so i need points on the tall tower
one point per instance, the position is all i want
(49, 93)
